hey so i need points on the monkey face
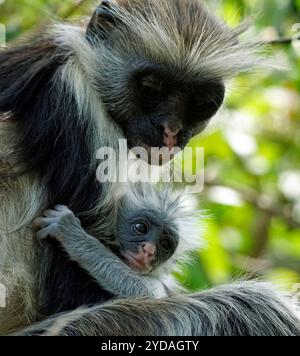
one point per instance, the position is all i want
(152, 84)
(164, 109)
(144, 243)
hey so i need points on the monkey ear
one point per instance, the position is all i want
(102, 22)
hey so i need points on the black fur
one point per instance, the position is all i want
(53, 142)
(66, 286)
(52, 135)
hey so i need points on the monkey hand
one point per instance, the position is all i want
(56, 223)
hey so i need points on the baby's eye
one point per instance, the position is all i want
(141, 228)
(165, 244)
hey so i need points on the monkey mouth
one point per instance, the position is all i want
(136, 264)
(154, 155)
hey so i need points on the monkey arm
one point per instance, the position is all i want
(105, 267)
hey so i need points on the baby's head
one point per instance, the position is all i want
(155, 226)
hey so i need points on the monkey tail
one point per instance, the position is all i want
(238, 309)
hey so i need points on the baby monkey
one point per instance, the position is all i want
(153, 230)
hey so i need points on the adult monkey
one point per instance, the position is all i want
(152, 72)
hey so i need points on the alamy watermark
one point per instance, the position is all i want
(152, 165)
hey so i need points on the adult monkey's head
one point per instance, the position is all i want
(162, 66)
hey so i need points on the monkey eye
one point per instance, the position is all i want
(165, 244)
(150, 87)
(141, 228)
(202, 106)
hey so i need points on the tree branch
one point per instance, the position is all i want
(283, 41)
(258, 267)
(261, 233)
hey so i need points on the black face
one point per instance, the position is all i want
(165, 109)
(156, 104)
(144, 242)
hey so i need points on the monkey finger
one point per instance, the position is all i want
(43, 234)
(38, 223)
(42, 222)
(63, 208)
(50, 213)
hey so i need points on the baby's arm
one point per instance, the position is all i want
(106, 268)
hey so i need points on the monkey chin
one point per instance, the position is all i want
(156, 156)
(137, 265)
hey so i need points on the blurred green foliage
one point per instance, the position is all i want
(252, 151)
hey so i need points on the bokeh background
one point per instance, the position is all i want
(252, 151)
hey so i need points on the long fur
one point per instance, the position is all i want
(182, 33)
(20, 201)
(241, 309)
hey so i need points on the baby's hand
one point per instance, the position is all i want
(54, 223)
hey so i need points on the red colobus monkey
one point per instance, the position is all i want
(152, 72)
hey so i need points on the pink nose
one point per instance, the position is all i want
(148, 249)
(170, 138)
